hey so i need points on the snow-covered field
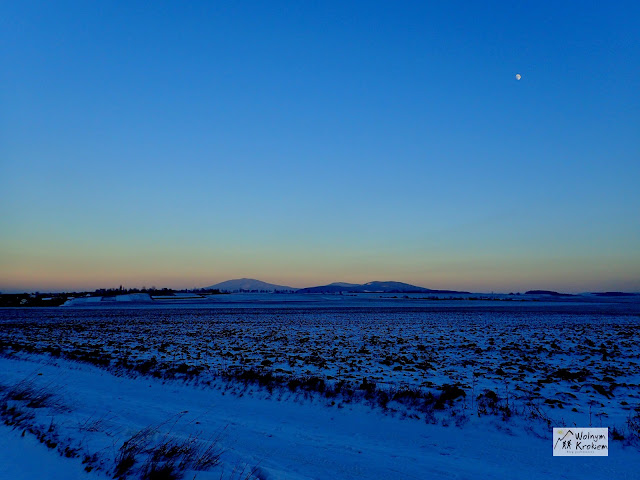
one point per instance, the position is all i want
(324, 393)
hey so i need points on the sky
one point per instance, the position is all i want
(180, 144)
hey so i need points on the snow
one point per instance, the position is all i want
(290, 438)
(133, 297)
(24, 458)
(296, 435)
(81, 301)
(94, 301)
(560, 361)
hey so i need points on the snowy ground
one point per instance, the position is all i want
(582, 368)
(86, 382)
(25, 458)
(285, 438)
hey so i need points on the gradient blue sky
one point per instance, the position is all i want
(184, 143)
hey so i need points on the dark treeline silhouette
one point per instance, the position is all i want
(109, 292)
(153, 291)
(51, 299)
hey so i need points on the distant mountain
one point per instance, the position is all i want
(372, 287)
(327, 289)
(248, 285)
(614, 294)
(393, 287)
(548, 292)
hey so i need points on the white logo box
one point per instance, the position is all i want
(580, 442)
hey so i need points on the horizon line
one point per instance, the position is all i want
(32, 290)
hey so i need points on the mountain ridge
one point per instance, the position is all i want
(249, 285)
(372, 287)
(388, 286)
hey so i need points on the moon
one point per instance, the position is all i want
(518, 76)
